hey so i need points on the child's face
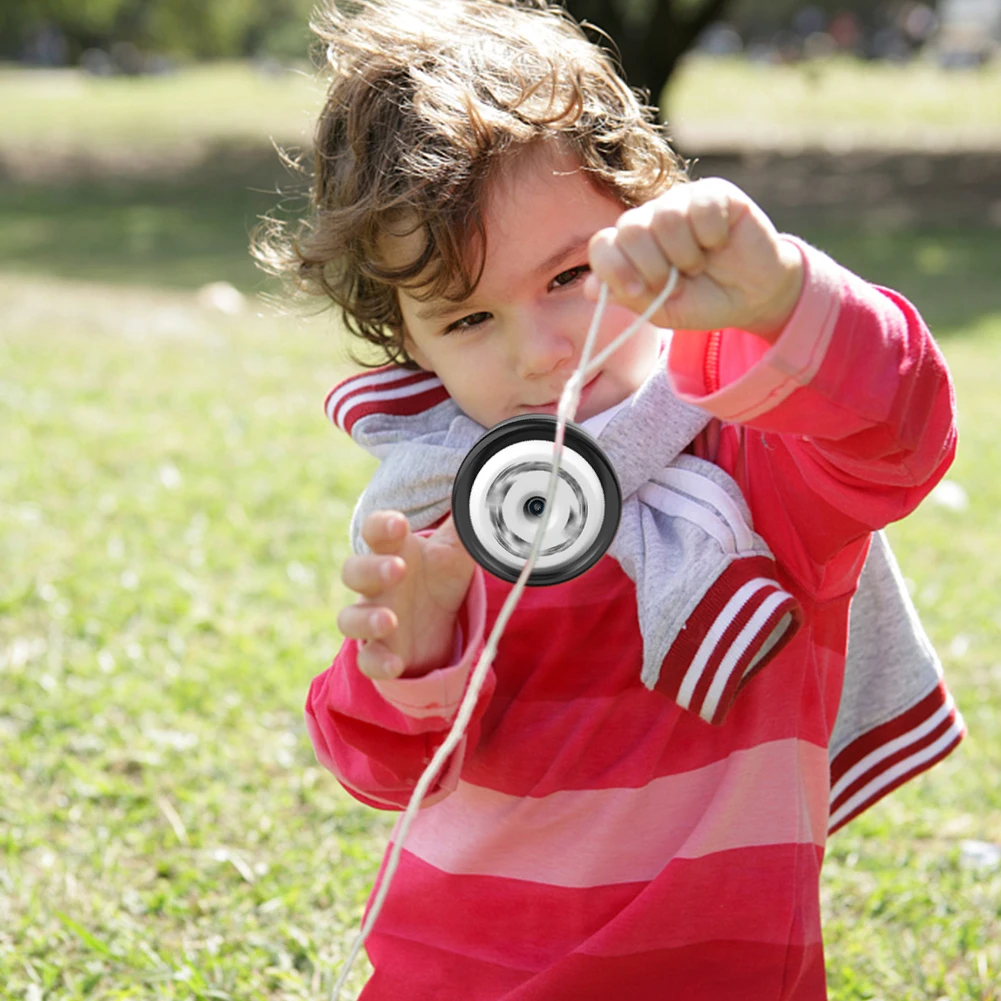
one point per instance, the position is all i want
(510, 348)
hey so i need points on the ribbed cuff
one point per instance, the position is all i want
(757, 377)
(893, 753)
(743, 620)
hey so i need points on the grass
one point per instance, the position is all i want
(173, 511)
(172, 516)
(133, 230)
(65, 111)
(834, 102)
(819, 102)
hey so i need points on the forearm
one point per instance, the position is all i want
(855, 385)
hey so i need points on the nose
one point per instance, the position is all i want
(540, 347)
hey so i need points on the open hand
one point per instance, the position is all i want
(411, 588)
(734, 269)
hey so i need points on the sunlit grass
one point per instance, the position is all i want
(173, 510)
(834, 102)
(60, 111)
(822, 102)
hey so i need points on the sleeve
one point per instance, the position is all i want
(843, 425)
(377, 737)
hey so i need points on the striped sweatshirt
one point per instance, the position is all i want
(592, 839)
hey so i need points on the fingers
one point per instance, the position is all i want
(385, 532)
(681, 228)
(710, 214)
(379, 663)
(369, 625)
(370, 575)
(366, 623)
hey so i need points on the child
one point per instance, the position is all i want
(479, 170)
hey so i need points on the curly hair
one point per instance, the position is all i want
(425, 102)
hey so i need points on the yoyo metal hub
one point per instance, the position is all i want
(498, 500)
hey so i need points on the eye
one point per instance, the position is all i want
(569, 276)
(468, 322)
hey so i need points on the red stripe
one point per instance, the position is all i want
(754, 911)
(406, 378)
(713, 971)
(883, 734)
(887, 763)
(899, 781)
(723, 645)
(353, 378)
(740, 675)
(688, 641)
(710, 971)
(404, 406)
(712, 665)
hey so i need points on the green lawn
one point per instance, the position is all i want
(60, 111)
(824, 102)
(835, 102)
(172, 516)
(173, 511)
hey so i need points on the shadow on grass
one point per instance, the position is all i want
(177, 231)
(189, 227)
(949, 272)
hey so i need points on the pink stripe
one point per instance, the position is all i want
(775, 793)
(437, 693)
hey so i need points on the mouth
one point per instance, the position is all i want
(553, 405)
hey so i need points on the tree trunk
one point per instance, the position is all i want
(650, 46)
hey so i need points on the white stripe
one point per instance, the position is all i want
(385, 394)
(737, 650)
(871, 792)
(361, 382)
(364, 382)
(712, 637)
(702, 488)
(891, 747)
(673, 503)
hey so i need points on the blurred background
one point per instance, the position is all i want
(173, 504)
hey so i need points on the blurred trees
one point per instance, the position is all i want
(651, 35)
(181, 28)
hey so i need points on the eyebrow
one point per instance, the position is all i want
(436, 311)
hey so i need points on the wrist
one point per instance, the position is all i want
(447, 652)
(780, 307)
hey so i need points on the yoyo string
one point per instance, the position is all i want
(569, 399)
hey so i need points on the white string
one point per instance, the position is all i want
(565, 412)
